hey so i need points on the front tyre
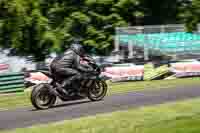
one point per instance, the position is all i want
(41, 98)
(98, 91)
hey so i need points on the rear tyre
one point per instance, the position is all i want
(41, 98)
(98, 91)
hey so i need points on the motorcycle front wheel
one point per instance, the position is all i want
(98, 91)
(41, 98)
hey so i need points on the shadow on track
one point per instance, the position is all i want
(64, 104)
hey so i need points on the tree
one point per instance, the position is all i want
(39, 27)
(26, 30)
(190, 14)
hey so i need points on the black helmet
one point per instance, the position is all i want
(77, 48)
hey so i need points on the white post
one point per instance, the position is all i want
(146, 51)
(130, 48)
(117, 45)
(198, 27)
(162, 28)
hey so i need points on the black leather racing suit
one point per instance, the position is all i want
(68, 66)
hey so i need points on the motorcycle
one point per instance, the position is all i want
(93, 86)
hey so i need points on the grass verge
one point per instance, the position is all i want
(23, 99)
(176, 117)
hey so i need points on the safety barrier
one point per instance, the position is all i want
(11, 82)
(151, 73)
(165, 42)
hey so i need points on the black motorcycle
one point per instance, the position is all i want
(92, 86)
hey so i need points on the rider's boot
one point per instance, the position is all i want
(66, 85)
(61, 89)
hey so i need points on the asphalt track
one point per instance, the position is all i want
(28, 116)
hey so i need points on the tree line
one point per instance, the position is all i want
(39, 27)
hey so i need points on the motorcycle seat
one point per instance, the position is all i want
(47, 73)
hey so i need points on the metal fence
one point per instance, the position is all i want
(158, 40)
(11, 82)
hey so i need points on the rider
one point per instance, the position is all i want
(68, 65)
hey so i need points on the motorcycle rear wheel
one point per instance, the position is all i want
(98, 91)
(41, 98)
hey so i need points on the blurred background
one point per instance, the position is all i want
(34, 31)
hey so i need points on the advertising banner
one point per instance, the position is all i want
(4, 68)
(186, 69)
(124, 73)
(172, 70)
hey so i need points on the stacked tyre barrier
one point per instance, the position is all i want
(11, 82)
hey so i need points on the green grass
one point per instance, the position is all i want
(122, 87)
(181, 125)
(14, 101)
(23, 99)
(176, 117)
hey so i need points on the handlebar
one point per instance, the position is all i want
(89, 59)
(92, 62)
